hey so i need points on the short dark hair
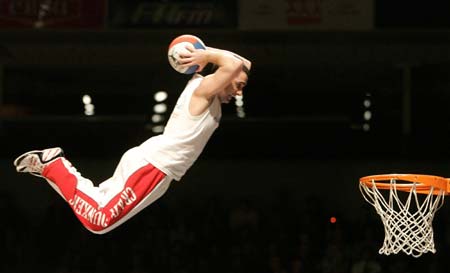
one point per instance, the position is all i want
(210, 68)
(246, 70)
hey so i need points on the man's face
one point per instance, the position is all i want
(235, 88)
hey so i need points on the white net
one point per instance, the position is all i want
(407, 217)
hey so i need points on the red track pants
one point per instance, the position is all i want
(134, 185)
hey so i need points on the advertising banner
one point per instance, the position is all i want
(170, 13)
(52, 13)
(306, 14)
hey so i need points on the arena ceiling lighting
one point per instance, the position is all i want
(89, 108)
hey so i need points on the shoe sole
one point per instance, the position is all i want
(21, 157)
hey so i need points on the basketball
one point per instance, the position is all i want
(177, 46)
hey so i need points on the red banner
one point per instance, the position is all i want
(304, 12)
(52, 13)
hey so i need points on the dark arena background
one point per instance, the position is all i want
(339, 90)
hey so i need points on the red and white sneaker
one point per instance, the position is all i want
(34, 162)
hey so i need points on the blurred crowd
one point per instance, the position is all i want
(219, 235)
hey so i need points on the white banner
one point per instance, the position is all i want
(306, 14)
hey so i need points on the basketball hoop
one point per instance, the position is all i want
(407, 206)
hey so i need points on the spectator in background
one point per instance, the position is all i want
(365, 263)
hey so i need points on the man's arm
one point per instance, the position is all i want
(246, 62)
(229, 66)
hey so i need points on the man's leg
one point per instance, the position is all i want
(134, 185)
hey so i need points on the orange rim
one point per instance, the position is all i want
(404, 182)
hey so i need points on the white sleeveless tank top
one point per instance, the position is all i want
(185, 135)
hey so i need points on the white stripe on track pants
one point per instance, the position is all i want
(134, 185)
